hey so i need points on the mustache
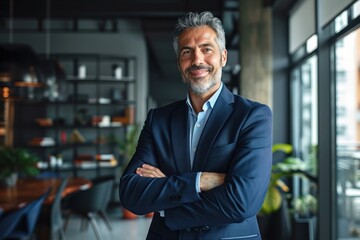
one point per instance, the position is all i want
(195, 67)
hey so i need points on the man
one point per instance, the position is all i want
(202, 164)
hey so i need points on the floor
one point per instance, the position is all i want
(123, 229)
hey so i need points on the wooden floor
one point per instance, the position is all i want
(122, 229)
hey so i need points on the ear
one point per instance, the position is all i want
(224, 57)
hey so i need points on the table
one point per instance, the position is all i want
(28, 189)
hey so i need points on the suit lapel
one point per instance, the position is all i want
(220, 113)
(180, 138)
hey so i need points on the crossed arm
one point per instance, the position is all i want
(208, 180)
(231, 196)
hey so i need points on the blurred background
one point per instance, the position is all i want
(78, 77)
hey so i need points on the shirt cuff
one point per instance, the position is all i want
(198, 182)
(162, 213)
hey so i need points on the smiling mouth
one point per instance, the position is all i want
(199, 71)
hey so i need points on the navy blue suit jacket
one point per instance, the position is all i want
(236, 140)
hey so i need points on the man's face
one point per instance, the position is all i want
(200, 60)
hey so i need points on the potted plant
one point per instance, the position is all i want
(304, 210)
(127, 147)
(290, 166)
(14, 162)
(274, 208)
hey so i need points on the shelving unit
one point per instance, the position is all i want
(6, 121)
(93, 103)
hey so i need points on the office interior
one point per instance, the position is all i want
(301, 57)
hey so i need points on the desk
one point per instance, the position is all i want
(28, 189)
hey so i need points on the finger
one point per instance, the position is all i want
(146, 172)
(149, 167)
(158, 173)
(155, 172)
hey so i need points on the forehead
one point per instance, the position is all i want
(198, 35)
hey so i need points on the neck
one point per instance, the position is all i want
(198, 100)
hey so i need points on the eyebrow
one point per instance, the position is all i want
(201, 46)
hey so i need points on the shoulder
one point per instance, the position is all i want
(250, 105)
(166, 111)
(243, 104)
(169, 107)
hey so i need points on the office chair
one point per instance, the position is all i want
(9, 221)
(89, 203)
(106, 198)
(50, 223)
(21, 223)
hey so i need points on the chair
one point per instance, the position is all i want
(21, 223)
(9, 221)
(106, 198)
(89, 203)
(51, 222)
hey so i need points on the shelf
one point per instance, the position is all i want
(69, 166)
(98, 97)
(102, 79)
(121, 102)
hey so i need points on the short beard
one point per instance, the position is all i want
(199, 87)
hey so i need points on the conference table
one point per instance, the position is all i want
(28, 189)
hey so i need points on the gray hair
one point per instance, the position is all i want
(193, 20)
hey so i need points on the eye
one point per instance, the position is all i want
(207, 50)
(185, 52)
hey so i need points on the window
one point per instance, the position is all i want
(347, 58)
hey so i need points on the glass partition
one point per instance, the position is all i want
(304, 115)
(305, 140)
(347, 76)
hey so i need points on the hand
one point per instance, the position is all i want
(210, 180)
(147, 170)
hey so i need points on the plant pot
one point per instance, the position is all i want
(11, 180)
(128, 215)
(304, 228)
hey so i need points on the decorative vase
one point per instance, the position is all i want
(11, 180)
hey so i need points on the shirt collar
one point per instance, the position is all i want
(209, 103)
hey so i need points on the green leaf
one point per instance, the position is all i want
(272, 201)
(283, 147)
(18, 161)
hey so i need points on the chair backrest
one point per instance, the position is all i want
(25, 227)
(9, 221)
(103, 178)
(91, 199)
(109, 192)
(55, 214)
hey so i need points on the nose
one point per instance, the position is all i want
(198, 57)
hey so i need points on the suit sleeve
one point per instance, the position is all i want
(248, 175)
(142, 195)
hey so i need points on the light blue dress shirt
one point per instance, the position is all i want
(196, 126)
